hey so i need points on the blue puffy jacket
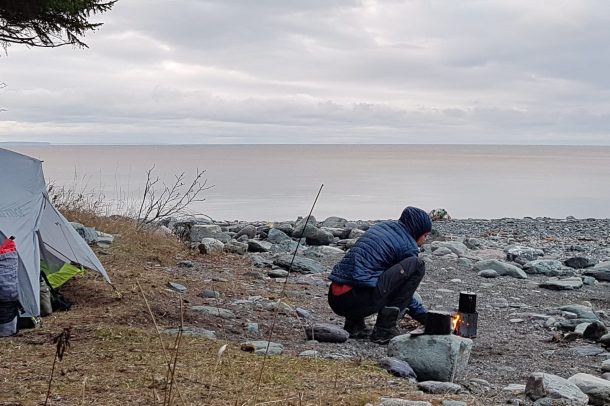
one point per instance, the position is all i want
(381, 246)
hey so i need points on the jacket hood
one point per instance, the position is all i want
(417, 221)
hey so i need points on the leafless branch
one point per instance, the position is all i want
(161, 200)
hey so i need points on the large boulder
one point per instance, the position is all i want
(209, 246)
(597, 389)
(601, 274)
(249, 231)
(334, 222)
(276, 236)
(554, 388)
(548, 267)
(455, 247)
(304, 227)
(236, 247)
(579, 262)
(201, 231)
(432, 357)
(522, 255)
(259, 246)
(502, 268)
(285, 227)
(318, 236)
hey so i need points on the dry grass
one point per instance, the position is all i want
(119, 365)
(115, 356)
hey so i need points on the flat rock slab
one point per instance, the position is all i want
(309, 354)
(436, 387)
(214, 311)
(403, 402)
(586, 351)
(579, 262)
(300, 264)
(488, 273)
(562, 284)
(602, 275)
(177, 287)
(514, 389)
(540, 385)
(277, 273)
(597, 389)
(398, 367)
(260, 347)
(432, 357)
(502, 268)
(192, 332)
(582, 312)
(326, 333)
(548, 267)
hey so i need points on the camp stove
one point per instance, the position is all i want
(466, 318)
(462, 323)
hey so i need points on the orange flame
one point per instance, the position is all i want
(455, 321)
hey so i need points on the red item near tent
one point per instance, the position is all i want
(8, 246)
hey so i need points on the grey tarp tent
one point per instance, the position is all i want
(39, 229)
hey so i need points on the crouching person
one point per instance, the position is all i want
(380, 274)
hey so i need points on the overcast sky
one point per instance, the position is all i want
(320, 71)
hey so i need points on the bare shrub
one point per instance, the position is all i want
(161, 200)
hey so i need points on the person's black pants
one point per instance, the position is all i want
(395, 287)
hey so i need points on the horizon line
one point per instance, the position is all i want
(46, 143)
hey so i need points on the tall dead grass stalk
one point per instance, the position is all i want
(282, 295)
(168, 359)
(62, 343)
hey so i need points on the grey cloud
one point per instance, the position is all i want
(321, 71)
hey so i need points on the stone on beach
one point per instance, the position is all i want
(455, 247)
(579, 262)
(328, 333)
(403, 402)
(210, 246)
(562, 284)
(522, 255)
(432, 357)
(597, 389)
(548, 267)
(201, 231)
(601, 274)
(397, 367)
(540, 385)
(236, 247)
(192, 332)
(582, 311)
(436, 387)
(214, 311)
(300, 264)
(262, 347)
(259, 246)
(502, 268)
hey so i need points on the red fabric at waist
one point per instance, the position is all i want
(338, 289)
(7, 246)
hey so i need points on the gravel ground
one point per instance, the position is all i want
(504, 352)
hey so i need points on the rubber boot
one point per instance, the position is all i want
(386, 327)
(356, 328)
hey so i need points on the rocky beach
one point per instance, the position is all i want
(542, 287)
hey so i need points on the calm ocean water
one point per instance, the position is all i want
(280, 182)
